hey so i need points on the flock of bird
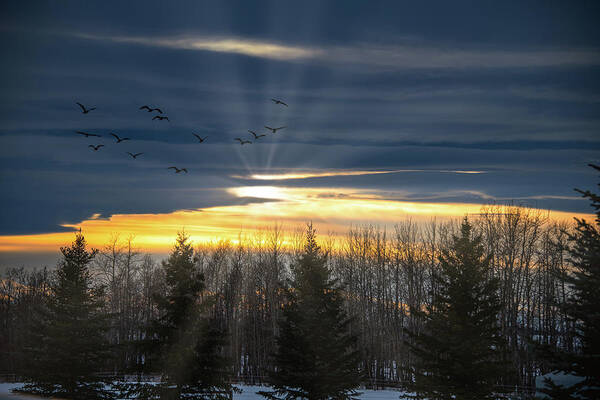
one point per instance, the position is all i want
(160, 117)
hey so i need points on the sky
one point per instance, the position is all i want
(395, 110)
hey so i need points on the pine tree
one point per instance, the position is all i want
(459, 347)
(67, 344)
(316, 356)
(583, 308)
(188, 340)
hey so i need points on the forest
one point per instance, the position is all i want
(387, 284)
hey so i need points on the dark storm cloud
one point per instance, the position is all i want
(509, 89)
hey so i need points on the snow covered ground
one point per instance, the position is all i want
(248, 393)
(5, 393)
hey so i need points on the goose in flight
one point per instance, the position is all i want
(87, 134)
(200, 139)
(178, 170)
(160, 118)
(119, 140)
(151, 109)
(278, 102)
(275, 129)
(256, 137)
(96, 147)
(134, 156)
(242, 141)
(85, 110)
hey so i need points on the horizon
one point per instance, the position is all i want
(43, 250)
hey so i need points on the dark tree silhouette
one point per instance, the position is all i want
(316, 356)
(66, 344)
(188, 340)
(460, 347)
(583, 309)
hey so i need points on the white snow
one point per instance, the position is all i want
(248, 393)
(559, 378)
(5, 392)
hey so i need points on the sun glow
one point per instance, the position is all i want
(333, 210)
(261, 192)
(333, 173)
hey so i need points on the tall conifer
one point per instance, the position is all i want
(67, 344)
(459, 348)
(316, 357)
(583, 309)
(188, 340)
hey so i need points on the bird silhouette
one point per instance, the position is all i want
(96, 147)
(87, 134)
(85, 110)
(256, 137)
(200, 139)
(134, 156)
(242, 141)
(278, 102)
(160, 118)
(178, 170)
(275, 129)
(150, 109)
(119, 140)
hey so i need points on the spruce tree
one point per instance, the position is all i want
(67, 344)
(316, 357)
(188, 340)
(459, 347)
(583, 308)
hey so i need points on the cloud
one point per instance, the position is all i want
(548, 196)
(334, 173)
(410, 56)
(553, 94)
(252, 48)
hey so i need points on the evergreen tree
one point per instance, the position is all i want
(316, 357)
(67, 344)
(460, 345)
(583, 308)
(188, 340)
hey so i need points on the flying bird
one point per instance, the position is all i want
(274, 129)
(278, 102)
(256, 137)
(160, 118)
(242, 141)
(96, 147)
(150, 109)
(85, 110)
(178, 170)
(119, 140)
(200, 139)
(134, 155)
(87, 134)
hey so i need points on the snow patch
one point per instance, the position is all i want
(248, 393)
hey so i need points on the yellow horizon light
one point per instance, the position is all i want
(333, 210)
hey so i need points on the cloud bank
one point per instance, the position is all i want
(382, 56)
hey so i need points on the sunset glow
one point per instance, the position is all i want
(333, 210)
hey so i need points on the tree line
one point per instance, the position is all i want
(496, 299)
